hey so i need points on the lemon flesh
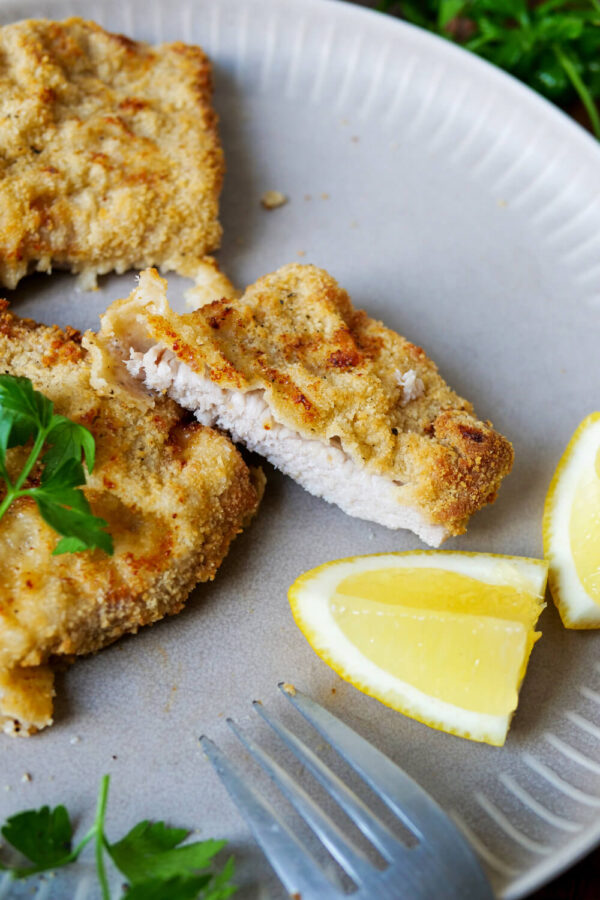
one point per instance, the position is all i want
(442, 637)
(446, 634)
(572, 528)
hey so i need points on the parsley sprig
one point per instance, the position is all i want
(552, 46)
(149, 856)
(25, 416)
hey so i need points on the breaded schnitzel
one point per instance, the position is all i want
(174, 494)
(351, 410)
(109, 153)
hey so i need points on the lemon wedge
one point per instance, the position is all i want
(442, 637)
(572, 528)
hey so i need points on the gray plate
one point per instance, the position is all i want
(464, 211)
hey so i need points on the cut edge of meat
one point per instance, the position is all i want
(323, 469)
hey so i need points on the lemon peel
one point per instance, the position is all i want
(443, 637)
(571, 528)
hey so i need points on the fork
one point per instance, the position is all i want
(441, 864)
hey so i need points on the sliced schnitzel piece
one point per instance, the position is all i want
(351, 410)
(109, 153)
(174, 494)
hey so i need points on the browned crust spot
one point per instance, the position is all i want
(329, 370)
(174, 494)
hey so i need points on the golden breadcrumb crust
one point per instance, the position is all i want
(174, 494)
(329, 371)
(109, 152)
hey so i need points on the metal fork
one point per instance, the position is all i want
(440, 864)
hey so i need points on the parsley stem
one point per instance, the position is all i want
(13, 490)
(10, 496)
(584, 94)
(32, 458)
(82, 843)
(99, 832)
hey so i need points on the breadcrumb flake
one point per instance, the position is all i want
(273, 199)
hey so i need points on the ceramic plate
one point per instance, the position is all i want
(464, 211)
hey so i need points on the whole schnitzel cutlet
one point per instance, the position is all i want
(351, 410)
(109, 153)
(174, 494)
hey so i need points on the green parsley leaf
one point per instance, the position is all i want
(179, 888)
(20, 414)
(151, 851)
(187, 887)
(26, 414)
(5, 430)
(80, 529)
(26, 409)
(67, 440)
(221, 887)
(149, 855)
(449, 9)
(68, 511)
(43, 836)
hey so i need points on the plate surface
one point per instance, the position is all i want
(465, 212)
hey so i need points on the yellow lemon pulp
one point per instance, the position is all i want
(572, 528)
(443, 589)
(443, 637)
(449, 635)
(584, 531)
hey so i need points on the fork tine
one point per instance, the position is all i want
(296, 868)
(411, 803)
(441, 843)
(341, 848)
(442, 846)
(353, 806)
